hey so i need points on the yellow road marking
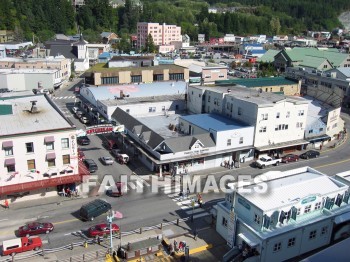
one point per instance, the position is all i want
(200, 249)
(335, 163)
(65, 221)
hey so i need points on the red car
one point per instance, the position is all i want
(35, 228)
(19, 245)
(290, 158)
(101, 230)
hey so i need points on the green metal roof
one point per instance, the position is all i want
(332, 54)
(258, 82)
(269, 56)
(313, 62)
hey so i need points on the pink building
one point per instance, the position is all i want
(161, 34)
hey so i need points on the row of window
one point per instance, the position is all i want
(30, 147)
(31, 163)
(291, 241)
(229, 141)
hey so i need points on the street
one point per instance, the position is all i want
(139, 209)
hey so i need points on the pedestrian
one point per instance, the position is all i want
(232, 164)
(188, 191)
(175, 245)
(195, 234)
(7, 204)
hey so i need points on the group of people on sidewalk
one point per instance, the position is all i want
(233, 164)
(67, 192)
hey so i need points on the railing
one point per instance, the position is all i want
(93, 255)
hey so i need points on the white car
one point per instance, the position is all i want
(107, 160)
(84, 119)
(75, 109)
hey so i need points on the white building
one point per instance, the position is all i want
(39, 149)
(297, 214)
(279, 120)
(27, 79)
(229, 38)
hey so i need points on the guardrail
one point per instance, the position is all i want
(89, 256)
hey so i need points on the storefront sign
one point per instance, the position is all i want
(94, 130)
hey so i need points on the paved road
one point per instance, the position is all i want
(146, 208)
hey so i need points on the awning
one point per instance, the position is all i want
(319, 138)
(49, 139)
(50, 156)
(7, 144)
(342, 218)
(249, 239)
(10, 162)
(283, 145)
(50, 182)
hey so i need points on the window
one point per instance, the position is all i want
(65, 143)
(208, 98)
(239, 111)
(288, 114)
(281, 89)
(281, 127)
(317, 205)
(8, 151)
(66, 159)
(298, 211)
(307, 209)
(241, 140)
(127, 110)
(228, 142)
(224, 222)
(278, 115)
(11, 168)
(50, 146)
(300, 112)
(30, 147)
(311, 131)
(300, 124)
(324, 230)
(312, 234)
(264, 116)
(31, 164)
(257, 219)
(262, 129)
(321, 129)
(151, 109)
(291, 242)
(163, 108)
(277, 247)
(51, 162)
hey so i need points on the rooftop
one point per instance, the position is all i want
(213, 122)
(26, 71)
(136, 91)
(102, 67)
(258, 82)
(20, 120)
(131, 58)
(269, 56)
(291, 186)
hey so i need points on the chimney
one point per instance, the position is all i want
(34, 109)
(228, 90)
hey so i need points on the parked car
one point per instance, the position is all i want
(123, 159)
(116, 152)
(290, 158)
(79, 113)
(83, 140)
(107, 160)
(84, 119)
(19, 245)
(91, 165)
(310, 154)
(266, 161)
(109, 144)
(75, 109)
(102, 230)
(35, 228)
(117, 190)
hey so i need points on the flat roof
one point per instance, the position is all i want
(27, 71)
(138, 90)
(259, 82)
(138, 100)
(213, 122)
(290, 187)
(102, 67)
(253, 96)
(21, 121)
(33, 60)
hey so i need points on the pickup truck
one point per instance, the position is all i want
(18, 245)
(267, 161)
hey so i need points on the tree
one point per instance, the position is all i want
(275, 25)
(149, 45)
(124, 45)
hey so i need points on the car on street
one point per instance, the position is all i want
(266, 161)
(35, 228)
(107, 160)
(19, 245)
(310, 154)
(109, 144)
(75, 109)
(102, 230)
(117, 190)
(83, 140)
(91, 165)
(116, 152)
(84, 119)
(290, 158)
(79, 113)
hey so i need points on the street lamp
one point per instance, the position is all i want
(110, 220)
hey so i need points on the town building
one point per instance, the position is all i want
(207, 74)
(162, 34)
(6, 36)
(282, 215)
(39, 150)
(279, 120)
(60, 65)
(100, 75)
(178, 143)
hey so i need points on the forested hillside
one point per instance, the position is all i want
(43, 18)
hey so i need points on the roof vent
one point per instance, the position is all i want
(228, 90)
(33, 109)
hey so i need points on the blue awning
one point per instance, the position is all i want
(319, 138)
(342, 218)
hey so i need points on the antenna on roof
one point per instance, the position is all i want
(33, 109)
